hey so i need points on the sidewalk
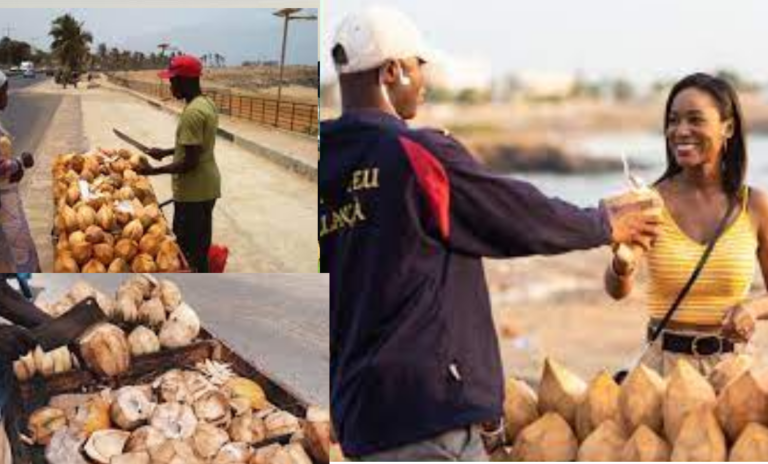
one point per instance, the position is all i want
(296, 152)
(266, 216)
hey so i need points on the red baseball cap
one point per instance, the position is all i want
(183, 66)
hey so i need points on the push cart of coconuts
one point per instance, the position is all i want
(152, 385)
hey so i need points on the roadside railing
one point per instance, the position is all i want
(288, 115)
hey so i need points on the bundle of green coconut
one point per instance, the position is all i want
(683, 417)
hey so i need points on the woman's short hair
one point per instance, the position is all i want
(734, 159)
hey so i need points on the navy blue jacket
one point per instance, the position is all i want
(405, 218)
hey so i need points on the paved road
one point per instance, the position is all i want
(279, 322)
(28, 115)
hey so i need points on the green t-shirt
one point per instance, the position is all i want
(197, 126)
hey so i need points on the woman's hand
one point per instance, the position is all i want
(624, 260)
(739, 323)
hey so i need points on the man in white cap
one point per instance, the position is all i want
(405, 218)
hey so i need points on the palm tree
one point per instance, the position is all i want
(70, 41)
(102, 51)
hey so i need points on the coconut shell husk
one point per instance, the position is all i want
(729, 369)
(520, 407)
(687, 390)
(641, 399)
(700, 438)
(605, 444)
(645, 446)
(752, 445)
(742, 401)
(550, 438)
(560, 391)
(601, 403)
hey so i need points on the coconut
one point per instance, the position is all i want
(233, 453)
(82, 252)
(94, 266)
(133, 230)
(126, 249)
(69, 218)
(92, 416)
(686, 391)
(65, 263)
(143, 263)
(44, 422)
(240, 387)
(604, 444)
(144, 439)
(143, 341)
(550, 438)
(105, 350)
(169, 294)
(105, 218)
(94, 234)
(560, 391)
(64, 448)
(601, 403)
(318, 433)
(86, 217)
(43, 363)
(198, 385)
(118, 265)
(213, 407)
(729, 369)
(640, 400)
(275, 453)
(520, 407)
(152, 312)
(297, 453)
(752, 445)
(645, 446)
(208, 440)
(132, 458)
(127, 309)
(159, 229)
(76, 237)
(131, 408)
(174, 452)
(700, 438)
(281, 423)
(248, 428)
(168, 261)
(175, 420)
(106, 444)
(73, 194)
(172, 387)
(181, 328)
(104, 253)
(150, 244)
(740, 402)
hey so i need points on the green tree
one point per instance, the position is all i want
(70, 41)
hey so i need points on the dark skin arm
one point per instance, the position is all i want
(18, 310)
(160, 153)
(190, 161)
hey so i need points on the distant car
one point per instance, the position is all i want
(29, 73)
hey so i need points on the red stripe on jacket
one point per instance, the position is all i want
(433, 180)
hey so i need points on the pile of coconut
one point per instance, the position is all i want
(182, 417)
(146, 315)
(683, 417)
(107, 217)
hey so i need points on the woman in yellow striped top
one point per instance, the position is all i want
(706, 168)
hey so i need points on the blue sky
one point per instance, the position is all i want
(640, 40)
(238, 34)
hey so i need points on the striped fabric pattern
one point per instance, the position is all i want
(724, 281)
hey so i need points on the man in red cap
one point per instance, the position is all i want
(196, 178)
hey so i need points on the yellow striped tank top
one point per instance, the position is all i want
(724, 281)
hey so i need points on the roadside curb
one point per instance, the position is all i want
(286, 161)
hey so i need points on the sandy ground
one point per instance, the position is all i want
(266, 215)
(559, 306)
(258, 81)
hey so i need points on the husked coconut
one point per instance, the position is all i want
(105, 350)
(520, 407)
(281, 423)
(700, 438)
(141, 457)
(233, 453)
(604, 444)
(44, 422)
(181, 328)
(297, 453)
(106, 444)
(174, 452)
(318, 433)
(213, 407)
(43, 362)
(169, 294)
(152, 312)
(143, 341)
(742, 401)
(127, 309)
(266, 454)
(560, 391)
(240, 387)
(172, 387)
(601, 403)
(145, 438)
(729, 369)
(645, 446)
(752, 445)
(64, 447)
(640, 400)
(92, 416)
(131, 408)
(197, 384)
(175, 420)
(81, 290)
(687, 390)
(248, 428)
(208, 440)
(550, 438)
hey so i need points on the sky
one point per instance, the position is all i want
(238, 34)
(638, 40)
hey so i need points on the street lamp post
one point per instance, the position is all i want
(289, 14)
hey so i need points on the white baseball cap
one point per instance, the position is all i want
(375, 35)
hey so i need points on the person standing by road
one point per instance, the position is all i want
(196, 177)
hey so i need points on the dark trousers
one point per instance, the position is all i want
(193, 226)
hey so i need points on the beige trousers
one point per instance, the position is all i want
(6, 457)
(664, 362)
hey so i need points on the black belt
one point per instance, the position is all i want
(699, 345)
